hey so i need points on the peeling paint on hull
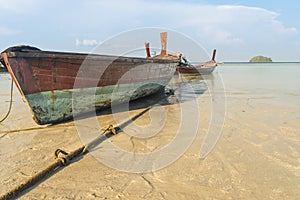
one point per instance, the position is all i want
(47, 109)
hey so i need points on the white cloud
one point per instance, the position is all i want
(86, 42)
(77, 42)
(231, 27)
(235, 28)
(232, 24)
(20, 6)
(90, 42)
(221, 24)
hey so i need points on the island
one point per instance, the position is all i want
(260, 59)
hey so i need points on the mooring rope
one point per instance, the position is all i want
(62, 158)
(10, 101)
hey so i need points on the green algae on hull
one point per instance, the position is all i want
(56, 106)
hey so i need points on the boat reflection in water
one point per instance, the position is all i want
(181, 88)
(187, 87)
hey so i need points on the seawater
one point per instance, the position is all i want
(278, 82)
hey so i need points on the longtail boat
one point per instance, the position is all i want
(205, 68)
(47, 80)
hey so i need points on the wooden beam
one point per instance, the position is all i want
(163, 39)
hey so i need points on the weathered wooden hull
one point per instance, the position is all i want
(196, 70)
(48, 80)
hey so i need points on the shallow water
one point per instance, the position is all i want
(279, 82)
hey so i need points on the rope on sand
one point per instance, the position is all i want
(36, 128)
(63, 158)
(10, 101)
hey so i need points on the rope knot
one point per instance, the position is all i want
(109, 129)
(62, 156)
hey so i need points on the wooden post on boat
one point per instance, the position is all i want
(163, 39)
(147, 46)
(214, 55)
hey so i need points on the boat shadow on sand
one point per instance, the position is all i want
(182, 88)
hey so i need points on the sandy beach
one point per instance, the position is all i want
(256, 157)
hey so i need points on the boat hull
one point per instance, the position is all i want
(196, 70)
(50, 82)
(46, 110)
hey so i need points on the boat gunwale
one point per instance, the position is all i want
(83, 56)
(196, 70)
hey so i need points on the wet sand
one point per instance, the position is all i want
(257, 156)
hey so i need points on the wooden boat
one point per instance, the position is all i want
(47, 80)
(205, 68)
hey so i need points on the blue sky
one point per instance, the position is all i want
(238, 29)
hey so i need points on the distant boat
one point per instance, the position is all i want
(46, 79)
(205, 68)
